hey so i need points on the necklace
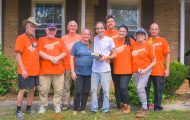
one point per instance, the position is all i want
(32, 40)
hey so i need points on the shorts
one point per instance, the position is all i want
(30, 82)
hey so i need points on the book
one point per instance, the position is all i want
(96, 55)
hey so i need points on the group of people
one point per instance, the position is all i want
(91, 64)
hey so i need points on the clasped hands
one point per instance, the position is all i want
(54, 59)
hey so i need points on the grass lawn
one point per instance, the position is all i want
(113, 115)
(8, 113)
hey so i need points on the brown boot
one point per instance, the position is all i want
(126, 108)
(142, 113)
(121, 107)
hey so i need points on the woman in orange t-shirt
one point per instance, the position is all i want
(122, 72)
(144, 59)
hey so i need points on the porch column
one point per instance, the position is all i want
(1, 22)
(83, 15)
(182, 31)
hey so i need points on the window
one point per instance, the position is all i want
(49, 13)
(125, 13)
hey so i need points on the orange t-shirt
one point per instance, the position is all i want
(29, 55)
(53, 47)
(69, 42)
(123, 62)
(111, 33)
(142, 55)
(161, 48)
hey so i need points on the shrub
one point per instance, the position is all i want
(7, 74)
(178, 73)
(134, 99)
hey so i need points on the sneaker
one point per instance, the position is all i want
(30, 112)
(42, 110)
(142, 113)
(19, 115)
(74, 112)
(105, 112)
(83, 112)
(157, 110)
(126, 108)
(151, 106)
(65, 107)
(57, 109)
(93, 112)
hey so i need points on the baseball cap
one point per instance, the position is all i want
(140, 30)
(51, 26)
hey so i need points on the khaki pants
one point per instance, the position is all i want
(66, 87)
(45, 82)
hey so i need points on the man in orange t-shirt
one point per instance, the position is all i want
(110, 24)
(26, 49)
(52, 51)
(159, 72)
(69, 40)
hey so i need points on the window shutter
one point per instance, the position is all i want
(147, 13)
(100, 10)
(72, 7)
(24, 11)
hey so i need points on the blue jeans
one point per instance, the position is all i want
(104, 78)
(121, 84)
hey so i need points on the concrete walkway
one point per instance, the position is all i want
(11, 105)
(178, 106)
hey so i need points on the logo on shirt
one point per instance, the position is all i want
(136, 52)
(157, 44)
(50, 46)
